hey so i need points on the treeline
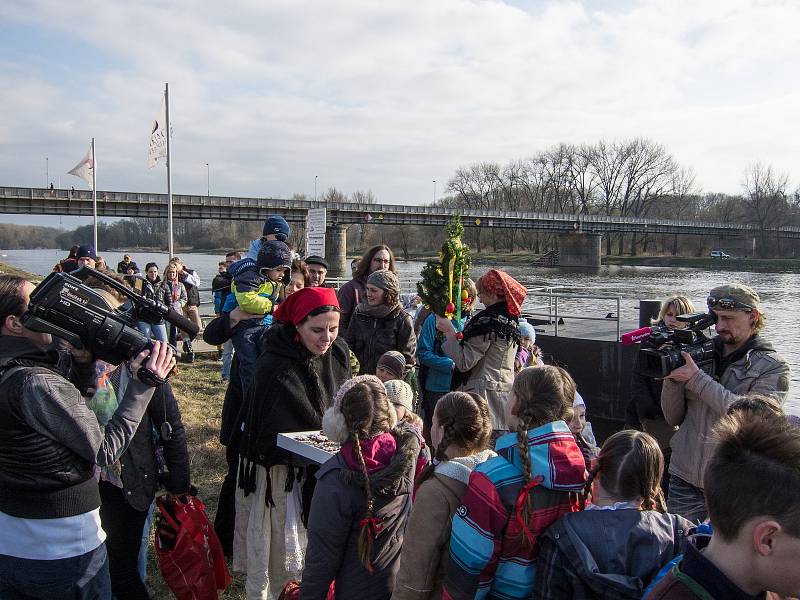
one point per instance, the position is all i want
(633, 178)
(26, 236)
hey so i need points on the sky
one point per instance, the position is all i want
(388, 96)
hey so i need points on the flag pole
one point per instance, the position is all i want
(169, 174)
(94, 196)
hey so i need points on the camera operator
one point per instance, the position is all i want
(52, 544)
(743, 363)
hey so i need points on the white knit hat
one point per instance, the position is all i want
(399, 392)
(578, 400)
(333, 423)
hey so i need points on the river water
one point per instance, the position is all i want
(778, 291)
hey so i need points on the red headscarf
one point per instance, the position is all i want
(297, 306)
(505, 286)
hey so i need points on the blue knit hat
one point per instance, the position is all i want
(277, 226)
(274, 255)
(86, 251)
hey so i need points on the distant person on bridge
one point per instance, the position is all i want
(69, 264)
(377, 258)
(484, 354)
(275, 228)
(317, 270)
(744, 363)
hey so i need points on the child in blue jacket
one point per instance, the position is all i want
(255, 290)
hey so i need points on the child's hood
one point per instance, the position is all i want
(617, 552)
(556, 460)
(461, 468)
(240, 266)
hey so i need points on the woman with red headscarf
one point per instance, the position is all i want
(301, 366)
(484, 354)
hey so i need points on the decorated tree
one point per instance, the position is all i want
(442, 287)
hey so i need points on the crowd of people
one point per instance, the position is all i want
(466, 466)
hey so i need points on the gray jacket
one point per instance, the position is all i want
(337, 508)
(698, 404)
(609, 554)
(490, 362)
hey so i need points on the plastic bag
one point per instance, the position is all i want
(189, 552)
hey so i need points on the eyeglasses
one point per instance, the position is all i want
(727, 304)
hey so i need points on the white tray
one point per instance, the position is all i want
(288, 441)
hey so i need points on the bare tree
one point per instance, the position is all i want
(765, 200)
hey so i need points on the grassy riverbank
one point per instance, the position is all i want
(200, 397)
(756, 265)
(6, 269)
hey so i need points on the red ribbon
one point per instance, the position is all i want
(374, 524)
(522, 500)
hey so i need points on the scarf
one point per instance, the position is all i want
(377, 451)
(376, 312)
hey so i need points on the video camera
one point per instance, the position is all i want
(666, 345)
(64, 306)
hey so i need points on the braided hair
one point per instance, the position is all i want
(367, 412)
(464, 418)
(631, 466)
(542, 395)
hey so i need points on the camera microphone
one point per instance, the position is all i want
(635, 336)
(182, 322)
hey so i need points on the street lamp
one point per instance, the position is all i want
(315, 187)
(434, 190)
(208, 180)
(47, 171)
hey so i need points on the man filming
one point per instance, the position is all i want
(52, 544)
(743, 363)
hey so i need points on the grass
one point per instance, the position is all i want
(6, 269)
(200, 395)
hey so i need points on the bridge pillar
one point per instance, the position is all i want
(579, 250)
(336, 250)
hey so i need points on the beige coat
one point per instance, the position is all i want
(426, 549)
(698, 404)
(492, 363)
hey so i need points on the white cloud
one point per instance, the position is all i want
(392, 95)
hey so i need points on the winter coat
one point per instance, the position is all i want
(424, 558)
(698, 404)
(290, 392)
(370, 336)
(645, 401)
(338, 506)
(251, 291)
(191, 281)
(606, 554)
(350, 295)
(173, 293)
(490, 362)
(221, 287)
(437, 365)
(491, 555)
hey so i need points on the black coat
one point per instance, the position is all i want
(369, 337)
(290, 392)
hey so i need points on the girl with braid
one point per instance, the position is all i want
(460, 432)
(362, 499)
(535, 478)
(615, 547)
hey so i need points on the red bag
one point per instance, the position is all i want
(291, 591)
(188, 549)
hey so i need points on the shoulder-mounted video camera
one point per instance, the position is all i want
(664, 354)
(64, 306)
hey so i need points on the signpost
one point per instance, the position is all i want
(315, 231)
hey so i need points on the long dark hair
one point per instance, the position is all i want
(362, 272)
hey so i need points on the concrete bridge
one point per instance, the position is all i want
(579, 239)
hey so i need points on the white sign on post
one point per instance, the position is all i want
(315, 231)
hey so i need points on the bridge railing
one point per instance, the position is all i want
(551, 311)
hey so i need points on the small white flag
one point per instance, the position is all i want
(85, 168)
(158, 136)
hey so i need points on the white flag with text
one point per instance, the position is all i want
(158, 136)
(85, 168)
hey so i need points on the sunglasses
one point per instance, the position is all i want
(727, 304)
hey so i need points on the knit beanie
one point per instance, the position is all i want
(86, 252)
(333, 423)
(394, 362)
(386, 280)
(277, 226)
(399, 392)
(273, 255)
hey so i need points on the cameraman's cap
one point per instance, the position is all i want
(86, 252)
(734, 295)
(274, 255)
(316, 260)
(277, 226)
